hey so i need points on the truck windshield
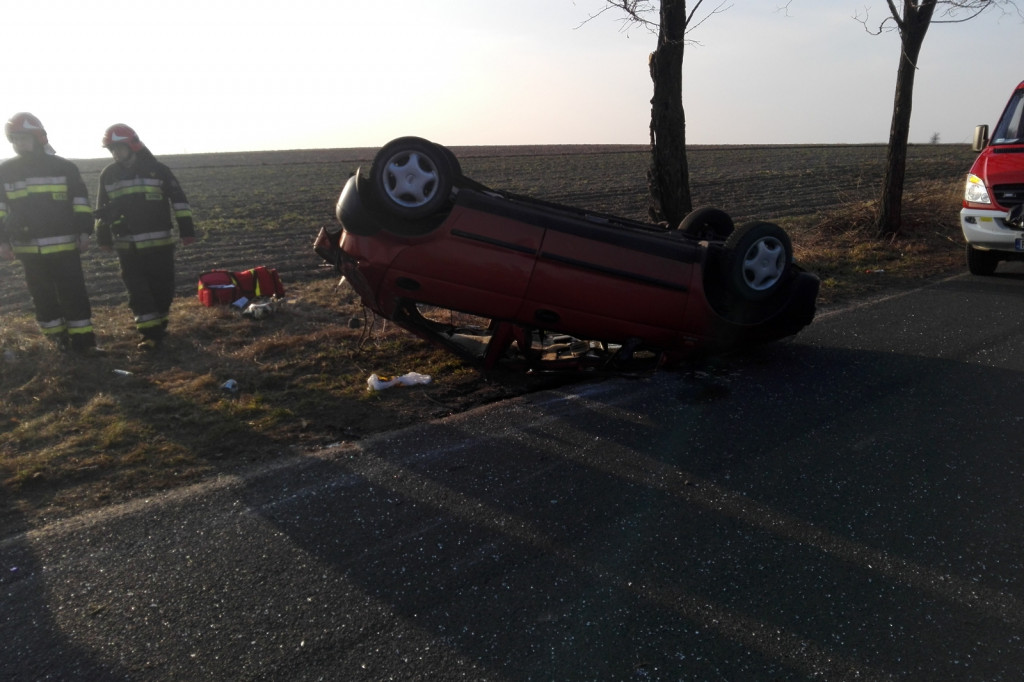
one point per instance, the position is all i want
(1010, 129)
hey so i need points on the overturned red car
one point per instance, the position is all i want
(498, 277)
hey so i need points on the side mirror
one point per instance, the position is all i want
(980, 138)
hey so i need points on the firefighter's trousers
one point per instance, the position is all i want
(148, 274)
(57, 286)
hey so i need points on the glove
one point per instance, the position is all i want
(83, 243)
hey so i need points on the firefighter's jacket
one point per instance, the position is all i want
(135, 205)
(44, 205)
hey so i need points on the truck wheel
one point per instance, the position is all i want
(981, 262)
(411, 177)
(757, 257)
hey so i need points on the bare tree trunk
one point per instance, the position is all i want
(668, 177)
(917, 17)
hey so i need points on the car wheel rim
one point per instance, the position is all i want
(764, 264)
(410, 180)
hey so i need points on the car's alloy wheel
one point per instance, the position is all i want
(757, 257)
(411, 177)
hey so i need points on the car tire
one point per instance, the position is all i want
(757, 258)
(350, 211)
(411, 178)
(711, 224)
(453, 161)
(981, 262)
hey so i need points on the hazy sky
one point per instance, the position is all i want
(231, 75)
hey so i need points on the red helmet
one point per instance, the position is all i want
(120, 133)
(24, 122)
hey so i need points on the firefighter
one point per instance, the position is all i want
(45, 221)
(137, 196)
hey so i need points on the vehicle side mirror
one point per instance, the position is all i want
(980, 138)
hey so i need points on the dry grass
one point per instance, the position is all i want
(79, 432)
(840, 246)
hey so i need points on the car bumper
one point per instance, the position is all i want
(987, 229)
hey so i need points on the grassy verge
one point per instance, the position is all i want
(75, 434)
(841, 248)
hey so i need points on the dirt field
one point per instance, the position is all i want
(266, 207)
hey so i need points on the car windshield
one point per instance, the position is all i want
(1010, 129)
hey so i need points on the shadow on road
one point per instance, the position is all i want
(40, 647)
(808, 512)
(820, 512)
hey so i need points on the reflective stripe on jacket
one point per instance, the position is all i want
(42, 196)
(138, 202)
(143, 241)
(45, 244)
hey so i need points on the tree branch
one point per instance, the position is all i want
(950, 11)
(647, 15)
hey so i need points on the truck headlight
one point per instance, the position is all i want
(975, 192)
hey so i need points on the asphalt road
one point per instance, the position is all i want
(845, 505)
